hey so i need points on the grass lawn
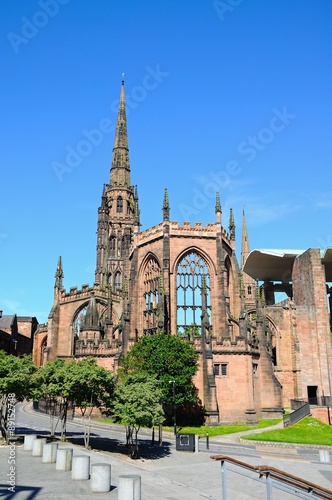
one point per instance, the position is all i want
(219, 430)
(307, 431)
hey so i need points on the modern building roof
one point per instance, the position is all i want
(277, 265)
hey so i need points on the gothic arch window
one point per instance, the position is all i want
(192, 294)
(117, 281)
(271, 335)
(119, 204)
(43, 346)
(229, 283)
(228, 269)
(112, 246)
(151, 276)
(79, 320)
(126, 241)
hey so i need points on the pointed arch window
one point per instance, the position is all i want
(117, 281)
(119, 204)
(112, 246)
(228, 272)
(151, 275)
(79, 323)
(193, 295)
(126, 240)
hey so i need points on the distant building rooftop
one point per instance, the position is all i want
(6, 321)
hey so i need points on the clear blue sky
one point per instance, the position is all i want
(230, 95)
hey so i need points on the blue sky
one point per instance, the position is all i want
(226, 95)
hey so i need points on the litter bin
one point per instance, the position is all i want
(185, 442)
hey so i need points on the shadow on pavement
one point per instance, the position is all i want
(146, 450)
(30, 492)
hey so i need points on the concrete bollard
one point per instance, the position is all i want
(64, 458)
(37, 447)
(49, 453)
(324, 456)
(129, 487)
(100, 480)
(80, 467)
(28, 440)
(196, 443)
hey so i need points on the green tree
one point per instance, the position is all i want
(15, 385)
(81, 383)
(137, 404)
(52, 383)
(92, 387)
(166, 358)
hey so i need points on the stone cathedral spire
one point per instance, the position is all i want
(120, 167)
(118, 215)
(248, 283)
(245, 249)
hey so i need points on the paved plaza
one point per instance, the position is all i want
(166, 473)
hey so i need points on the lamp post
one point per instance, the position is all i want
(174, 405)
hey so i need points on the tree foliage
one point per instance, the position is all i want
(92, 387)
(137, 404)
(52, 383)
(165, 358)
(81, 383)
(15, 384)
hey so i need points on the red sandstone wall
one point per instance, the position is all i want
(313, 330)
(323, 414)
(234, 391)
(283, 316)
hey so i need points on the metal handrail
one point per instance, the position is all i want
(275, 477)
(297, 415)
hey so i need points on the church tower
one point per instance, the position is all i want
(118, 215)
